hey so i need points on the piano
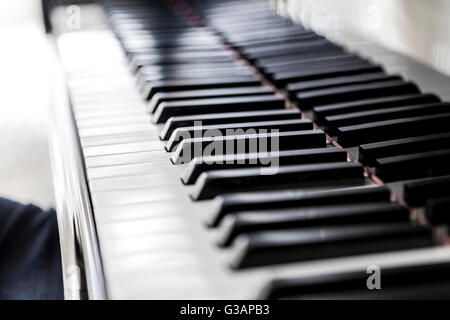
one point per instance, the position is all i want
(215, 150)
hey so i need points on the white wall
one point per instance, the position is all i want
(24, 98)
(419, 28)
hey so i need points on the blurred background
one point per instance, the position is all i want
(25, 173)
(415, 27)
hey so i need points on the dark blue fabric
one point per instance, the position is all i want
(30, 260)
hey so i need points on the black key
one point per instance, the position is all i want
(368, 153)
(369, 104)
(250, 221)
(179, 85)
(340, 59)
(248, 160)
(195, 147)
(413, 166)
(385, 114)
(132, 48)
(392, 129)
(324, 72)
(166, 110)
(227, 204)
(304, 47)
(228, 117)
(417, 193)
(237, 128)
(438, 210)
(431, 281)
(205, 94)
(287, 46)
(339, 81)
(273, 247)
(267, 62)
(243, 46)
(189, 67)
(214, 183)
(140, 60)
(198, 74)
(309, 99)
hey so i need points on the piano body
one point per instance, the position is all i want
(147, 210)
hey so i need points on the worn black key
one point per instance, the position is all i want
(237, 128)
(166, 110)
(248, 160)
(438, 210)
(417, 193)
(312, 98)
(431, 281)
(392, 129)
(414, 166)
(385, 114)
(283, 78)
(227, 117)
(339, 81)
(273, 247)
(227, 204)
(368, 153)
(194, 147)
(179, 85)
(214, 183)
(250, 221)
(205, 94)
(369, 104)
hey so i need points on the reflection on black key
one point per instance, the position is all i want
(324, 72)
(213, 183)
(304, 47)
(416, 193)
(272, 247)
(195, 147)
(268, 62)
(250, 221)
(309, 99)
(166, 110)
(340, 59)
(178, 85)
(413, 166)
(368, 153)
(385, 114)
(237, 128)
(227, 204)
(392, 129)
(248, 160)
(431, 281)
(228, 117)
(205, 94)
(369, 104)
(339, 81)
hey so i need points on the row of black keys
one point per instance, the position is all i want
(352, 98)
(276, 226)
(362, 213)
(250, 212)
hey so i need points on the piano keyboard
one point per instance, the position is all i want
(176, 222)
